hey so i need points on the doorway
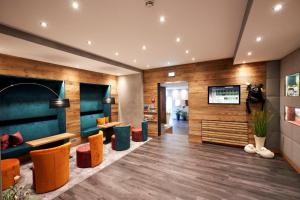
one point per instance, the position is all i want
(173, 108)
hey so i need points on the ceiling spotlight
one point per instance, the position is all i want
(277, 7)
(187, 51)
(249, 53)
(144, 47)
(178, 39)
(89, 42)
(244, 62)
(258, 39)
(44, 24)
(117, 54)
(75, 5)
(148, 66)
(162, 19)
(193, 59)
(169, 63)
(134, 61)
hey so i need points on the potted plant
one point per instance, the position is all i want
(260, 120)
(184, 115)
(178, 113)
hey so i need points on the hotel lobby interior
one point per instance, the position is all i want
(150, 99)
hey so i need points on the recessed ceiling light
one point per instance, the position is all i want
(277, 7)
(75, 5)
(89, 42)
(134, 61)
(178, 39)
(148, 66)
(244, 62)
(187, 51)
(249, 53)
(144, 47)
(169, 63)
(162, 19)
(258, 39)
(44, 24)
(193, 59)
(117, 54)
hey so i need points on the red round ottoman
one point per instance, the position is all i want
(137, 135)
(83, 156)
(113, 142)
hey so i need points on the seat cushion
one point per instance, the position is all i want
(89, 131)
(136, 129)
(12, 152)
(84, 148)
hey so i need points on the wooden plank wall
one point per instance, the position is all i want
(201, 75)
(15, 66)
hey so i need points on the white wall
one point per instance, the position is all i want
(131, 99)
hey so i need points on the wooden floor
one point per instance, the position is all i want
(171, 168)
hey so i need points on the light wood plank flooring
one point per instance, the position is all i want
(171, 168)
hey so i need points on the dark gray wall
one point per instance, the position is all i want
(273, 104)
(290, 133)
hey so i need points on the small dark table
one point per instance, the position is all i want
(108, 130)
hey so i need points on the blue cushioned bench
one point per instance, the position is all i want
(89, 124)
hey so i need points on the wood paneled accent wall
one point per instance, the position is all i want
(15, 66)
(201, 75)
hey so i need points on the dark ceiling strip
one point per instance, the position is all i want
(245, 18)
(62, 47)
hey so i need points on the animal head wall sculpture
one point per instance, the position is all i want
(255, 95)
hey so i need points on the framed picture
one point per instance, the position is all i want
(292, 85)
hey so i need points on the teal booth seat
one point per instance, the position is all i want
(25, 108)
(89, 124)
(122, 137)
(144, 130)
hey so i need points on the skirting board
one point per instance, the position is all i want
(291, 163)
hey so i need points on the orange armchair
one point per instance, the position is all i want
(90, 155)
(50, 168)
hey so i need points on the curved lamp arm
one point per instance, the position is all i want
(13, 85)
(53, 103)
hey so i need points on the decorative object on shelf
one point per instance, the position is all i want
(292, 115)
(292, 85)
(109, 100)
(260, 120)
(153, 100)
(53, 103)
(249, 148)
(255, 95)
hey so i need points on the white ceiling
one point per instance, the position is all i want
(208, 29)
(280, 31)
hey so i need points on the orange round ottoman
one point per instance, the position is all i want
(137, 135)
(10, 168)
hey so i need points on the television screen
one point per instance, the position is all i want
(224, 94)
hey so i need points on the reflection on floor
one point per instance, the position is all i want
(180, 127)
(168, 167)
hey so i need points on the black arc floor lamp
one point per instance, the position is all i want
(53, 103)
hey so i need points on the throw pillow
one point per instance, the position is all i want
(101, 121)
(4, 141)
(16, 139)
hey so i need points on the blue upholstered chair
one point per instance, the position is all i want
(121, 139)
(145, 130)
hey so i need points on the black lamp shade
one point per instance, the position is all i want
(109, 100)
(59, 103)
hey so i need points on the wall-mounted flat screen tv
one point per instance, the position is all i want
(229, 94)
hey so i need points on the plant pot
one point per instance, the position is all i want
(259, 142)
(178, 116)
(184, 118)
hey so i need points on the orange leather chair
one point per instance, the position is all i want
(10, 168)
(50, 168)
(90, 155)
